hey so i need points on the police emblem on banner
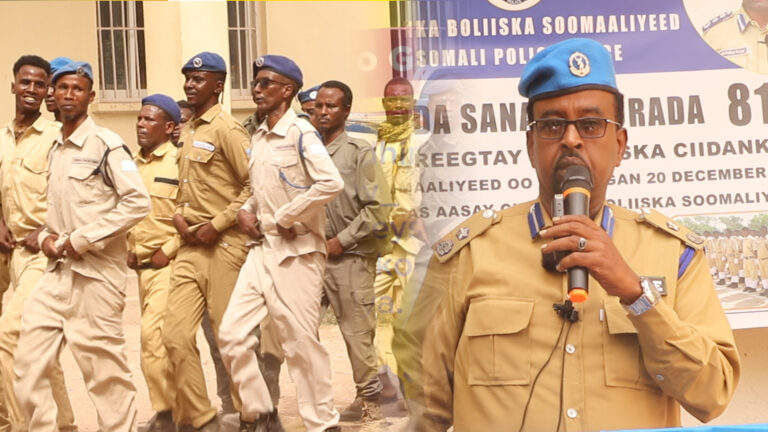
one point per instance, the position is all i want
(514, 5)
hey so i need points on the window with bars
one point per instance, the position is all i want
(242, 27)
(122, 64)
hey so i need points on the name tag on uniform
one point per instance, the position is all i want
(730, 52)
(129, 166)
(84, 161)
(204, 145)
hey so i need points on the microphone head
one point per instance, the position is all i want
(576, 176)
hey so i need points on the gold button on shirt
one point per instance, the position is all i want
(495, 329)
(160, 175)
(213, 170)
(24, 175)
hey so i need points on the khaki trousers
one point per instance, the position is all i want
(154, 285)
(290, 292)
(66, 307)
(203, 278)
(26, 269)
(348, 285)
(394, 270)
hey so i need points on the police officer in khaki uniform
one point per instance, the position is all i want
(152, 245)
(356, 237)
(762, 259)
(24, 146)
(651, 335)
(292, 177)
(307, 101)
(213, 181)
(741, 36)
(95, 194)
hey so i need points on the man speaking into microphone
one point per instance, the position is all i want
(508, 351)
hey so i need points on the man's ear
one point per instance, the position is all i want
(529, 146)
(621, 140)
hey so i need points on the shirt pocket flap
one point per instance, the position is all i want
(286, 160)
(163, 190)
(496, 316)
(616, 316)
(200, 155)
(37, 166)
(81, 172)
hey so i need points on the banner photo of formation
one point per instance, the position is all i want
(695, 78)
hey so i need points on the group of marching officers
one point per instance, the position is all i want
(739, 258)
(251, 232)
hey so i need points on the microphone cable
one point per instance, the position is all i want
(538, 374)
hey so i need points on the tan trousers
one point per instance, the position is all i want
(348, 285)
(66, 307)
(394, 270)
(26, 269)
(203, 278)
(290, 292)
(154, 285)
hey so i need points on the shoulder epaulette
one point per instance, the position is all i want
(111, 139)
(716, 20)
(671, 227)
(304, 125)
(464, 233)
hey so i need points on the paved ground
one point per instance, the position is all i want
(344, 389)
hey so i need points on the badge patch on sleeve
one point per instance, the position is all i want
(318, 149)
(129, 166)
(204, 145)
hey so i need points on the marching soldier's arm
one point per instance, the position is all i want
(234, 146)
(171, 246)
(326, 182)
(133, 203)
(373, 192)
(689, 348)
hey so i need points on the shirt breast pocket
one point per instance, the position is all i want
(498, 341)
(34, 175)
(199, 155)
(86, 185)
(624, 366)
(290, 171)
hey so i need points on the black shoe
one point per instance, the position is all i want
(162, 421)
(211, 426)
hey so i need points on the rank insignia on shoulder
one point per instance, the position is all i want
(694, 238)
(443, 247)
(462, 233)
(666, 224)
(469, 229)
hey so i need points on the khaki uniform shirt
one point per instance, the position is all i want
(738, 38)
(291, 187)
(213, 170)
(495, 330)
(359, 216)
(24, 175)
(399, 161)
(160, 175)
(762, 248)
(82, 207)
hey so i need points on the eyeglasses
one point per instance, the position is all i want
(554, 128)
(265, 82)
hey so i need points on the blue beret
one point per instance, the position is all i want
(280, 64)
(73, 67)
(309, 94)
(165, 103)
(566, 67)
(58, 62)
(205, 61)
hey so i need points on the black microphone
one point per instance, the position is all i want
(576, 189)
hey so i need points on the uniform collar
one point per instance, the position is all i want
(337, 142)
(157, 153)
(743, 21)
(211, 114)
(282, 125)
(80, 134)
(538, 219)
(39, 124)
